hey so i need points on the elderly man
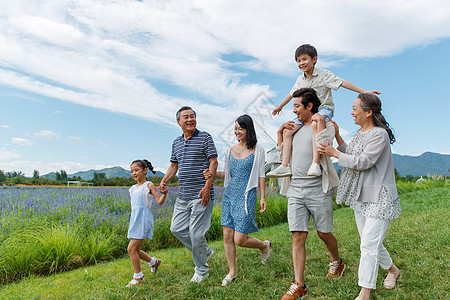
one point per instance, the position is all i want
(192, 152)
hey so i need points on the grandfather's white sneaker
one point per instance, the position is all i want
(280, 172)
(199, 278)
(314, 170)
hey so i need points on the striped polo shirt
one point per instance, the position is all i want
(192, 156)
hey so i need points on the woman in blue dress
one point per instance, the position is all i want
(141, 218)
(243, 173)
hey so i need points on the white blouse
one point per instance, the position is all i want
(385, 208)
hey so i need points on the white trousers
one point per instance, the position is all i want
(373, 253)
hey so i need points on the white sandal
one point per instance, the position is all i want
(265, 257)
(135, 281)
(391, 280)
(228, 279)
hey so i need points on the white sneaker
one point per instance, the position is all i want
(314, 170)
(265, 257)
(280, 172)
(228, 279)
(199, 278)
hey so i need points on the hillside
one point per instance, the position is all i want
(426, 163)
(110, 173)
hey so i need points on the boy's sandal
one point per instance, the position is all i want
(135, 281)
(154, 268)
(228, 279)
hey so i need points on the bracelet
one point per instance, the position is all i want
(263, 199)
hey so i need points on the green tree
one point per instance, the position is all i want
(18, 180)
(63, 175)
(99, 178)
(58, 176)
(15, 174)
(2, 176)
(36, 174)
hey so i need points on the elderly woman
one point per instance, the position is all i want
(367, 185)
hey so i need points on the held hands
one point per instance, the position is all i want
(207, 174)
(163, 188)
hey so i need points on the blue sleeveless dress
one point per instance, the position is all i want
(233, 204)
(141, 218)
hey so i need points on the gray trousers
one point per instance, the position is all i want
(190, 222)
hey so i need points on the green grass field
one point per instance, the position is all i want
(418, 242)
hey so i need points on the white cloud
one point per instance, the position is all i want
(114, 55)
(75, 139)
(47, 135)
(5, 126)
(21, 141)
(343, 132)
(103, 144)
(8, 155)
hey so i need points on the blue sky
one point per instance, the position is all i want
(86, 85)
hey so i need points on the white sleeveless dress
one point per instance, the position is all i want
(141, 219)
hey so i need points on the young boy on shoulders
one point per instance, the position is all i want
(322, 81)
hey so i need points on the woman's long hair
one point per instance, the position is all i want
(246, 122)
(370, 101)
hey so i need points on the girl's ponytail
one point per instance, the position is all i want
(149, 165)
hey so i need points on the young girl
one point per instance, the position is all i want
(141, 219)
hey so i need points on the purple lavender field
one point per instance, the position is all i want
(52, 229)
(99, 207)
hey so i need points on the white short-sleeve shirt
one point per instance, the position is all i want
(322, 81)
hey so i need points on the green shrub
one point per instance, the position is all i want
(58, 247)
(17, 257)
(215, 231)
(276, 212)
(95, 247)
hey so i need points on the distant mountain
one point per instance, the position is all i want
(110, 172)
(426, 163)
